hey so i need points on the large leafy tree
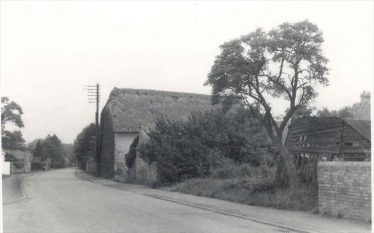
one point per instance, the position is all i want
(286, 62)
(53, 150)
(11, 113)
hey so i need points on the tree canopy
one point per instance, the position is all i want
(52, 148)
(345, 112)
(11, 113)
(285, 62)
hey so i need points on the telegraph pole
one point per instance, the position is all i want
(94, 98)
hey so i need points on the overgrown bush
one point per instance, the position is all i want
(207, 144)
(84, 145)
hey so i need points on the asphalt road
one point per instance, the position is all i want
(58, 201)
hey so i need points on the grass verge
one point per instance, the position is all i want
(247, 191)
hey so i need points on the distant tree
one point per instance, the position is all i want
(11, 113)
(32, 145)
(303, 111)
(38, 150)
(286, 62)
(345, 112)
(68, 150)
(83, 145)
(325, 112)
(53, 149)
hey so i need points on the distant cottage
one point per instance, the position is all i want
(128, 110)
(329, 138)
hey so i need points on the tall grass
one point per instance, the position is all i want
(249, 185)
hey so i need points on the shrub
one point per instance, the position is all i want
(84, 145)
(207, 144)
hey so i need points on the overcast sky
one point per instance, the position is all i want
(51, 49)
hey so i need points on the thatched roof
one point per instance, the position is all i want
(132, 108)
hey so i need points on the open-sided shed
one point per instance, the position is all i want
(330, 138)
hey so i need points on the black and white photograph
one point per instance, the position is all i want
(186, 116)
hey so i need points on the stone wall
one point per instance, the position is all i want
(122, 142)
(145, 173)
(22, 157)
(141, 171)
(344, 189)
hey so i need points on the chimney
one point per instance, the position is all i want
(365, 97)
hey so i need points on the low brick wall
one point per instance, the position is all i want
(344, 189)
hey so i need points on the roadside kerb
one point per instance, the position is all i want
(20, 181)
(23, 195)
(228, 213)
(288, 220)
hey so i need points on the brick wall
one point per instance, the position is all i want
(344, 189)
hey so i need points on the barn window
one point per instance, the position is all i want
(348, 144)
(356, 144)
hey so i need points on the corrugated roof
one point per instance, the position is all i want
(132, 108)
(361, 126)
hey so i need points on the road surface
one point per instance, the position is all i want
(58, 201)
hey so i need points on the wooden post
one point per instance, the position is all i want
(94, 97)
(97, 141)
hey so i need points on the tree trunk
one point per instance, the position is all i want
(286, 171)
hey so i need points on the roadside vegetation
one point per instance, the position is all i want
(11, 115)
(239, 155)
(49, 148)
(224, 155)
(208, 144)
(84, 146)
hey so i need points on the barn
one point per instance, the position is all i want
(128, 110)
(329, 138)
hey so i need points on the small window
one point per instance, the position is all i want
(356, 144)
(348, 144)
(300, 138)
(305, 138)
